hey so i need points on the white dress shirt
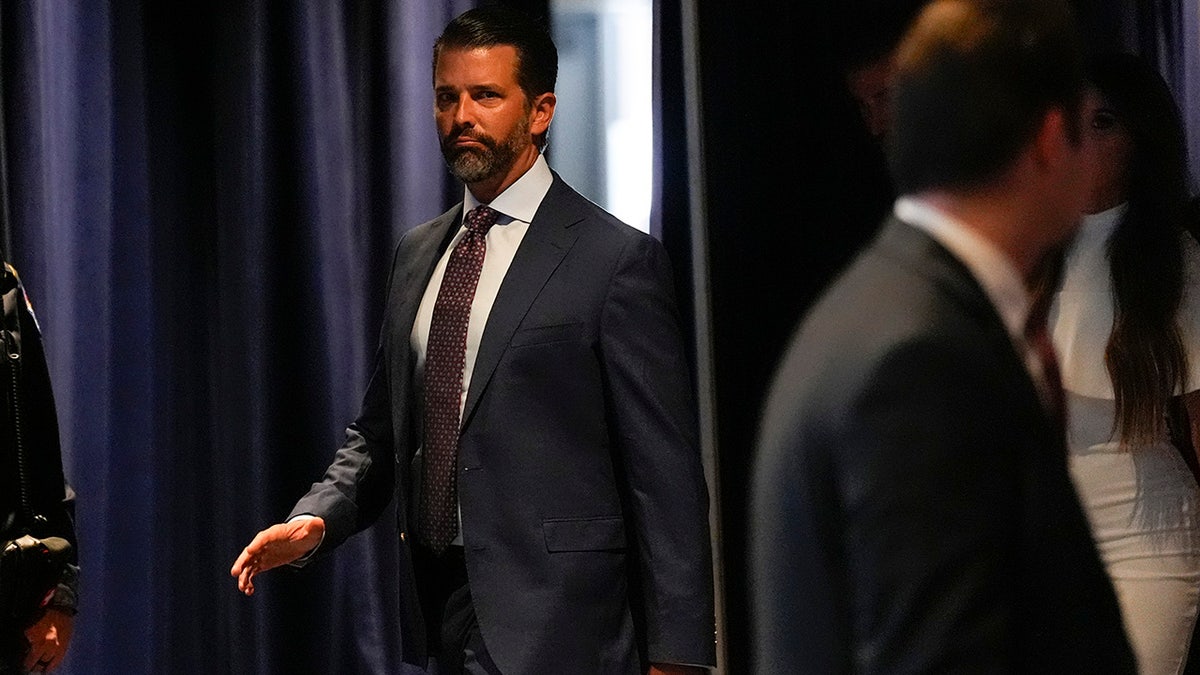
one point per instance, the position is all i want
(516, 206)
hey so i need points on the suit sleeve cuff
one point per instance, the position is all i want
(304, 559)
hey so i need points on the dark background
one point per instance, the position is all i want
(204, 200)
(796, 185)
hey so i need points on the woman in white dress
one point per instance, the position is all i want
(1126, 323)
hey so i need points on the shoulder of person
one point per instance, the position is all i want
(10, 273)
(569, 203)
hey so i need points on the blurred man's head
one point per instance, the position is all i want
(988, 104)
(974, 82)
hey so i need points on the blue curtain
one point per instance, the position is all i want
(205, 198)
(1170, 35)
(1167, 33)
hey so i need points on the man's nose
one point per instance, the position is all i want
(464, 111)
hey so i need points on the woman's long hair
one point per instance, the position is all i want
(1145, 357)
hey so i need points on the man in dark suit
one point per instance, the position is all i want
(530, 408)
(912, 508)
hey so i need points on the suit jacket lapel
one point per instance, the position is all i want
(411, 288)
(543, 248)
(921, 252)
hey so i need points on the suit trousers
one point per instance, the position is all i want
(450, 622)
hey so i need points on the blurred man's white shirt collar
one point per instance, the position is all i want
(998, 276)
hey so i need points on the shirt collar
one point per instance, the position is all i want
(987, 263)
(519, 201)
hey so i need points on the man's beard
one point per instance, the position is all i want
(471, 165)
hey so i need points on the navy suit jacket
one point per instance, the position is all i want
(912, 510)
(584, 505)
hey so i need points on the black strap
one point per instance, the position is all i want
(11, 338)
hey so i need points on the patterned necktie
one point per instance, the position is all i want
(445, 357)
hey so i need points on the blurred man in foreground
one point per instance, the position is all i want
(912, 509)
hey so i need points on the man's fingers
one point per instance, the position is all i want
(244, 577)
(277, 545)
(238, 564)
(252, 555)
(255, 550)
(244, 583)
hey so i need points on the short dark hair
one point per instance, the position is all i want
(494, 25)
(974, 80)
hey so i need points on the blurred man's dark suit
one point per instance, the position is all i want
(912, 508)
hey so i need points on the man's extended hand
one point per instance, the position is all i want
(48, 641)
(277, 545)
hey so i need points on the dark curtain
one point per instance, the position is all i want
(205, 198)
(794, 186)
(675, 110)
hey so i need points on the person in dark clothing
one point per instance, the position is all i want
(35, 499)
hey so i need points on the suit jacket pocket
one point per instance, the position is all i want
(601, 533)
(544, 334)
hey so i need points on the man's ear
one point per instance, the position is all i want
(542, 113)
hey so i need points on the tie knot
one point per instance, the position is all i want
(481, 218)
